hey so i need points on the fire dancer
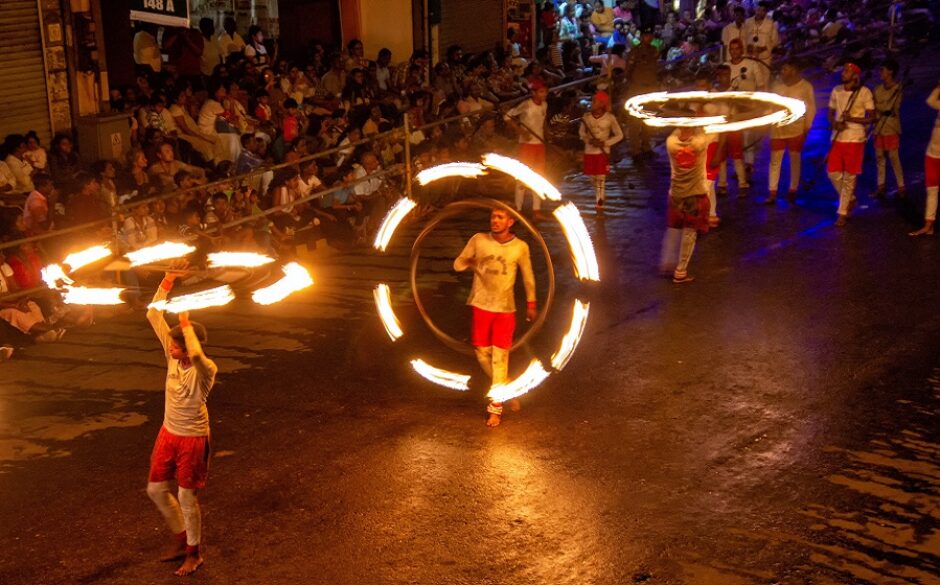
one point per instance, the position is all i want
(181, 450)
(495, 257)
(688, 209)
(599, 131)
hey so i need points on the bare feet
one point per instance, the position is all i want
(927, 230)
(174, 552)
(493, 421)
(515, 405)
(189, 566)
(713, 221)
(841, 221)
(791, 196)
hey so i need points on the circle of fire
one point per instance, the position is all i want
(584, 260)
(790, 110)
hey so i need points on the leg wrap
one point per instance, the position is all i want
(192, 516)
(168, 506)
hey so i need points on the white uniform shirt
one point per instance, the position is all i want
(185, 412)
(803, 91)
(23, 171)
(767, 36)
(533, 117)
(839, 101)
(933, 147)
(748, 75)
(494, 275)
(732, 31)
(605, 128)
(229, 44)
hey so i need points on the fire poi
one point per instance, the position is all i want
(581, 250)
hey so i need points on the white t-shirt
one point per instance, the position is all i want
(207, 116)
(748, 75)
(533, 117)
(187, 389)
(229, 44)
(494, 275)
(368, 187)
(23, 171)
(308, 187)
(605, 128)
(766, 33)
(730, 32)
(839, 101)
(802, 90)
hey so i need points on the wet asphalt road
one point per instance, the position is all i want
(773, 422)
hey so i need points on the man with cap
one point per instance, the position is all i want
(599, 131)
(642, 76)
(528, 120)
(181, 451)
(851, 110)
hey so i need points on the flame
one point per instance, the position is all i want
(80, 295)
(158, 252)
(582, 250)
(296, 278)
(53, 274)
(395, 215)
(522, 173)
(569, 342)
(213, 297)
(451, 380)
(76, 260)
(534, 375)
(383, 303)
(792, 110)
(237, 260)
(454, 169)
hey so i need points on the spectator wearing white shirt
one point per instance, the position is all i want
(734, 30)
(761, 36)
(211, 49)
(851, 110)
(229, 40)
(15, 147)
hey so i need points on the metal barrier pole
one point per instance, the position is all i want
(408, 157)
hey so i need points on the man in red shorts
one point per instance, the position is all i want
(851, 110)
(495, 257)
(688, 209)
(931, 168)
(887, 131)
(181, 450)
(528, 120)
(790, 138)
(599, 130)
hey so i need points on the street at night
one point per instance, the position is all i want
(774, 422)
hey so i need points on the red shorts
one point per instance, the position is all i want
(735, 143)
(711, 172)
(846, 157)
(533, 156)
(888, 141)
(185, 458)
(596, 164)
(931, 171)
(794, 144)
(688, 212)
(491, 328)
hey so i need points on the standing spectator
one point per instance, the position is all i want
(761, 36)
(734, 30)
(15, 147)
(211, 49)
(255, 51)
(230, 42)
(146, 49)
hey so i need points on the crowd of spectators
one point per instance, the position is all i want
(211, 112)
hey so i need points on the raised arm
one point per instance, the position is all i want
(159, 324)
(933, 100)
(205, 367)
(467, 258)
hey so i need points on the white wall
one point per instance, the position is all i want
(387, 23)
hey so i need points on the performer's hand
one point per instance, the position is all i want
(177, 268)
(531, 313)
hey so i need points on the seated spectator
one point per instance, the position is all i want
(15, 148)
(603, 21)
(63, 160)
(216, 122)
(26, 264)
(106, 174)
(207, 145)
(37, 212)
(135, 180)
(164, 170)
(249, 159)
(292, 126)
(140, 230)
(84, 205)
(36, 155)
(375, 121)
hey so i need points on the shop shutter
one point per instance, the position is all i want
(475, 25)
(24, 105)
